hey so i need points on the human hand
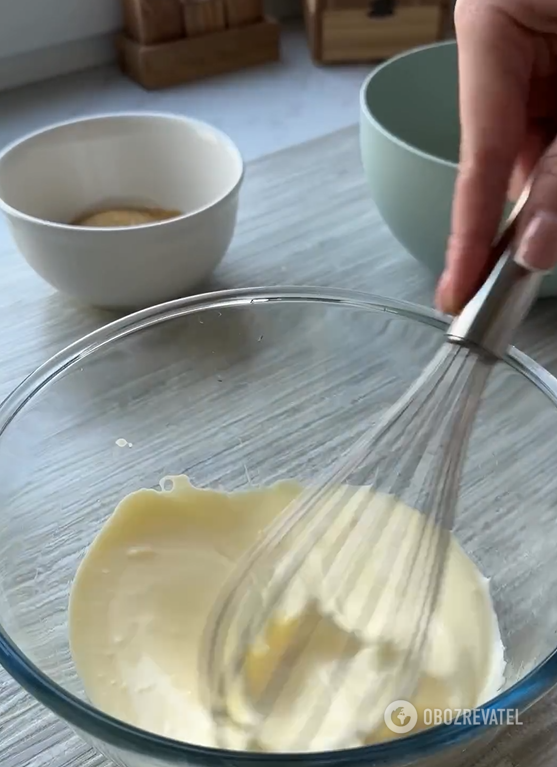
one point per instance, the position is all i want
(507, 59)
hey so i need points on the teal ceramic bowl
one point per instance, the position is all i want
(409, 136)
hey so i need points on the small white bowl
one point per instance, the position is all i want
(53, 176)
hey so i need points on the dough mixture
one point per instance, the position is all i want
(122, 217)
(144, 591)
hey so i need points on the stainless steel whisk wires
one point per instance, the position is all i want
(310, 573)
(347, 544)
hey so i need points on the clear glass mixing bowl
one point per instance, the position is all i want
(244, 388)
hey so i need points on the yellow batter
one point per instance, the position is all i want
(144, 591)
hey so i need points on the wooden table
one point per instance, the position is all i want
(306, 219)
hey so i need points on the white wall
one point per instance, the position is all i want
(27, 25)
(44, 38)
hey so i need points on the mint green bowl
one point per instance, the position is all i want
(409, 137)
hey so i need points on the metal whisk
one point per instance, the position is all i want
(347, 574)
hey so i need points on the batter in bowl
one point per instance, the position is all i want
(122, 217)
(144, 591)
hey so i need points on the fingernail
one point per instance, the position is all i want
(537, 250)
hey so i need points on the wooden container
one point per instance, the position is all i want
(202, 17)
(241, 12)
(161, 66)
(342, 31)
(153, 21)
(447, 19)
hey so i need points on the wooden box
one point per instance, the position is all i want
(202, 18)
(242, 12)
(168, 42)
(343, 31)
(153, 21)
(193, 58)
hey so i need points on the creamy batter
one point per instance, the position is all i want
(143, 593)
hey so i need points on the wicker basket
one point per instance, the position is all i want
(343, 31)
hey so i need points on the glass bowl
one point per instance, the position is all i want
(244, 388)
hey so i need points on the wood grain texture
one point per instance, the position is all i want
(306, 219)
(200, 56)
(153, 21)
(365, 4)
(341, 31)
(203, 17)
(242, 12)
(350, 35)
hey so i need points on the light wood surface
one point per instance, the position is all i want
(306, 219)
(153, 21)
(350, 35)
(204, 55)
(342, 31)
(339, 5)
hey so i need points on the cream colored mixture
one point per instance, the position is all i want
(122, 217)
(144, 591)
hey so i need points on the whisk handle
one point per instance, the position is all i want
(490, 320)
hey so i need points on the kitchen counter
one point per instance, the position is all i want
(263, 109)
(306, 219)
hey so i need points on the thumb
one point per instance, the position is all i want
(494, 65)
(537, 245)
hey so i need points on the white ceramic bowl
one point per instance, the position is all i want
(51, 177)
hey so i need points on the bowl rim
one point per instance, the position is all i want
(12, 212)
(366, 112)
(114, 732)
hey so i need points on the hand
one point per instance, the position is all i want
(507, 59)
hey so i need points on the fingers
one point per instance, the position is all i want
(495, 64)
(542, 128)
(538, 240)
(533, 148)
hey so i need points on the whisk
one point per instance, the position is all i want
(348, 575)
